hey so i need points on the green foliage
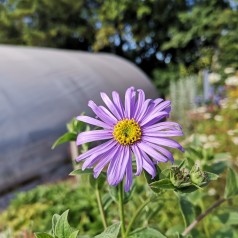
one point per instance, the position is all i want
(187, 210)
(146, 232)
(36, 208)
(160, 36)
(74, 128)
(231, 184)
(111, 232)
(181, 179)
(60, 228)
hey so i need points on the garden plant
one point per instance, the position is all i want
(137, 136)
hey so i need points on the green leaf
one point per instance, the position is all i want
(161, 184)
(113, 191)
(62, 228)
(97, 182)
(187, 210)
(211, 176)
(69, 136)
(187, 189)
(228, 218)
(111, 232)
(80, 172)
(181, 164)
(146, 232)
(42, 235)
(74, 234)
(231, 184)
(55, 219)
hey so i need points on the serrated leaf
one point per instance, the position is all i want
(146, 232)
(80, 172)
(55, 219)
(69, 136)
(62, 228)
(162, 184)
(111, 232)
(231, 184)
(42, 235)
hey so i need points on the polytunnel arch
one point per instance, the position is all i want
(40, 91)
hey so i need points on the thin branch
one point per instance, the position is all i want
(201, 216)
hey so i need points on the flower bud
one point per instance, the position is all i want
(179, 177)
(197, 176)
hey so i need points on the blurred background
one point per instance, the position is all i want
(188, 50)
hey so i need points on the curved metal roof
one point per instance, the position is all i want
(42, 89)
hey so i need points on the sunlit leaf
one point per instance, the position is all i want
(69, 136)
(111, 232)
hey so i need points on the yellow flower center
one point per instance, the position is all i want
(127, 131)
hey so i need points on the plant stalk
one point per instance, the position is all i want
(101, 209)
(201, 216)
(135, 216)
(121, 209)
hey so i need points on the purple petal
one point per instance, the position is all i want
(89, 136)
(128, 179)
(129, 102)
(164, 141)
(143, 110)
(111, 105)
(139, 103)
(163, 126)
(158, 101)
(118, 103)
(162, 133)
(153, 118)
(93, 150)
(101, 114)
(97, 155)
(105, 160)
(139, 160)
(148, 165)
(93, 121)
(162, 150)
(151, 152)
(162, 106)
(117, 167)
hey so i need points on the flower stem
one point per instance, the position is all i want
(135, 216)
(101, 209)
(121, 209)
(201, 216)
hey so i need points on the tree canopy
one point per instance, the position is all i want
(160, 36)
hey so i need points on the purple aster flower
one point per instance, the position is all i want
(135, 128)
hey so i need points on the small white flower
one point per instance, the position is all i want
(203, 138)
(235, 140)
(201, 109)
(211, 138)
(214, 78)
(230, 132)
(207, 115)
(218, 118)
(212, 191)
(229, 70)
(232, 81)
